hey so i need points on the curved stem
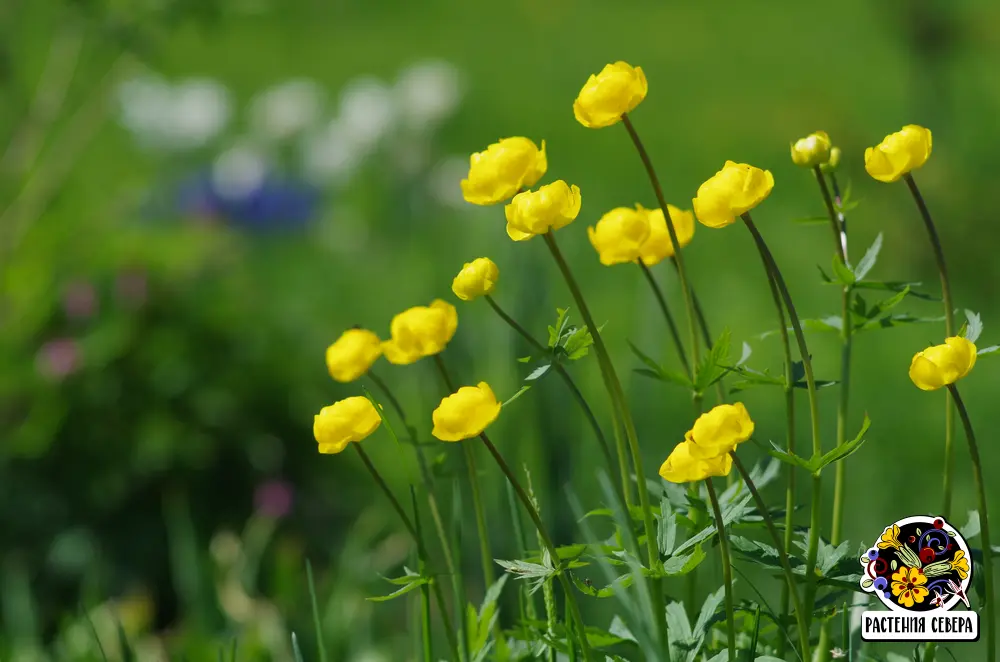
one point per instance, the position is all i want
(727, 568)
(671, 230)
(782, 547)
(469, 459)
(567, 379)
(671, 325)
(620, 404)
(546, 541)
(977, 468)
(838, 234)
(817, 493)
(425, 472)
(949, 328)
(422, 550)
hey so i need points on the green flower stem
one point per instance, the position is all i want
(543, 536)
(469, 458)
(727, 568)
(789, 390)
(678, 253)
(671, 325)
(425, 472)
(838, 224)
(782, 547)
(425, 623)
(565, 376)
(620, 404)
(817, 448)
(949, 328)
(977, 471)
(421, 549)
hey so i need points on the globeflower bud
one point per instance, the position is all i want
(420, 331)
(606, 96)
(551, 207)
(811, 151)
(619, 235)
(502, 169)
(658, 246)
(476, 279)
(682, 466)
(465, 413)
(720, 430)
(942, 365)
(833, 162)
(352, 354)
(731, 192)
(351, 419)
(899, 153)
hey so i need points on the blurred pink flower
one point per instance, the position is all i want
(131, 287)
(274, 498)
(80, 300)
(58, 358)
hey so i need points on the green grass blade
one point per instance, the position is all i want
(320, 644)
(296, 651)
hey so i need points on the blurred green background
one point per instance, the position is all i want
(196, 198)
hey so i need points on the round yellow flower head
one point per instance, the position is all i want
(502, 169)
(658, 246)
(619, 235)
(351, 419)
(465, 413)
(352, 354)
(831, 163)
(551, 207)
(477, 278)
(720, 430)
(899, 153)
(811, 151)
(734, 190)
(942, 365)
(420, 331)
(683, 467)
(617, 90)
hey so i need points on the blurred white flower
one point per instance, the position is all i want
(428, 92)
(331, 155)
(443, 181)
(238, 172)
(367, 110)
(286, 109)
(200, 111)
(174, 117)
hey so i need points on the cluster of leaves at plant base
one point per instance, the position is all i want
(711, 369)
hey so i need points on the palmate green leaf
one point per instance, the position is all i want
(406, 588)
(896, 286)
(975, 326)
(899, 319)
(608, 591)
(841, 452)
(654, 370)
(682, 564)
(828, 556)
(873, 314)
(713, 365)
(868, 261)
(556, 332)
(757, 552)
(666, 527)
(538, 372)
(842, 272)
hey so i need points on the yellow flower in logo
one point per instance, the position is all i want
(960, 564)
(908, 586)
(889, 538)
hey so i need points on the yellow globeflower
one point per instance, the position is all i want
(942, 365)
(658, 246)
(831, 163)
(720, 430)
(899, 153)
(476, 279)
(619, 235)
(420, 331)
(551, 207)
(734, 190)
(682, 466)
(351, 419)
(606, 96)
(352, 354)
(502, 169)
(465, 413)
(811, 151)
